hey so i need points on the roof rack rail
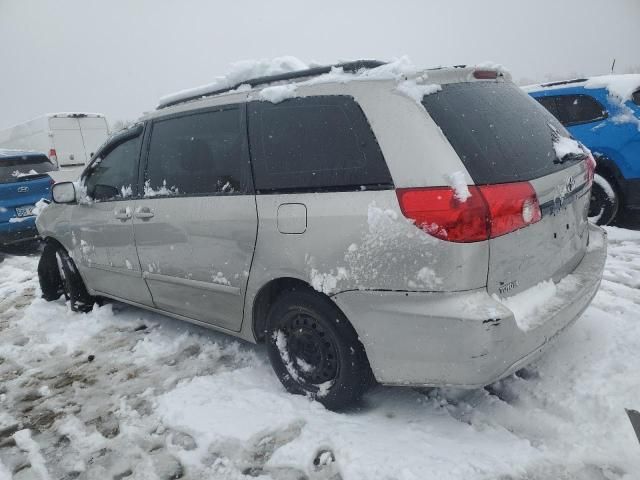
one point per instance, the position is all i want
(310, 72)
(564, 82)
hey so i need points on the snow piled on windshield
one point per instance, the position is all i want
(125, 393)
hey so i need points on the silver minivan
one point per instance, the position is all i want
(425, 230)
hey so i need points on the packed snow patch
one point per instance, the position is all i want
(565, 146)
(417, 91)
(327, 282)
(534, 305)
(278, 93)
(240, 72)
(163, 190)
(458, 181)
(621, 87)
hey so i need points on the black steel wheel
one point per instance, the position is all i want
(604, 203)
(315, 351)
(59, 276)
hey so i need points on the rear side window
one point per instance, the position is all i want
(200, 153)
(114, 175)
(314, 144)
(499, 132)
(577, 109)
(14, 169)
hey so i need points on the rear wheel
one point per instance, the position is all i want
(315, 351)
(605, 201)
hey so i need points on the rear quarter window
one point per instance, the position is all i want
(314, 144)
(499, 132)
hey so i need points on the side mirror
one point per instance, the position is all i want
(64, 192)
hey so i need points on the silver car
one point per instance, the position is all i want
(426, 229)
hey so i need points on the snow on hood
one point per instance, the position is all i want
(620, 86)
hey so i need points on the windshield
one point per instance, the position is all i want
(499, 132)
(15, 169)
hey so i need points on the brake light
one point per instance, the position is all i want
(53, 156)
(591, 169)
(485, 74)
(490, 211)
(511, 206)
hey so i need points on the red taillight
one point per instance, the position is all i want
(591, 169)
(511, 206)
(53, 156)
(437, 211)
(490, 211)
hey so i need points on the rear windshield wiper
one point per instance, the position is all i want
(570, 157)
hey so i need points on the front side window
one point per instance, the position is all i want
(313, 144)
(636, 97)
(576, 109)
(114, 175)
(198, 154)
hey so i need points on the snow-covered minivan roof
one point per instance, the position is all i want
(74, 115)
(260, 75)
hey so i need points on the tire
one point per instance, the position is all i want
(605, 201)
(58, 275)
(315, 351)
(49, 274)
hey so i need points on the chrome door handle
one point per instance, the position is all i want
(144, 213)
(122, 214)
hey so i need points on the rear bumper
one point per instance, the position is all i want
(23, 231)
(464, 339)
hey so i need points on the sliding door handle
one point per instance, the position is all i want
(144, 213)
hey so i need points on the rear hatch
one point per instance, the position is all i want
(23, 182)
(67, 141)
(94, 132)
(505, 137)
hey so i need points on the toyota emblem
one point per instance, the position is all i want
(571, 183)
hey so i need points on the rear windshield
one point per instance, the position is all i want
(15, 169)
(500, 133)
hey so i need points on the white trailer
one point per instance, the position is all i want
(69, 139)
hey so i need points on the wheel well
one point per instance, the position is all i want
(267, 296)
(607, 169)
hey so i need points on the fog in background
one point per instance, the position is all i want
(119, 57)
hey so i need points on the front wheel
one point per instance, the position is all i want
(315, 351)
(59, 275)
(605, 201)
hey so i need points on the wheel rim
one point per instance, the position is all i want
(311, 349)
(63, 275)
(598, 204)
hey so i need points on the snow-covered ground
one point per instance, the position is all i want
(124, 394)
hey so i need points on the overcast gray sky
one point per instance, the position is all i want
(119, 56)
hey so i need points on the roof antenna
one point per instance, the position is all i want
(613, 65)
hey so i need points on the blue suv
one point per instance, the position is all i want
(24, 181)
(604, 114)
